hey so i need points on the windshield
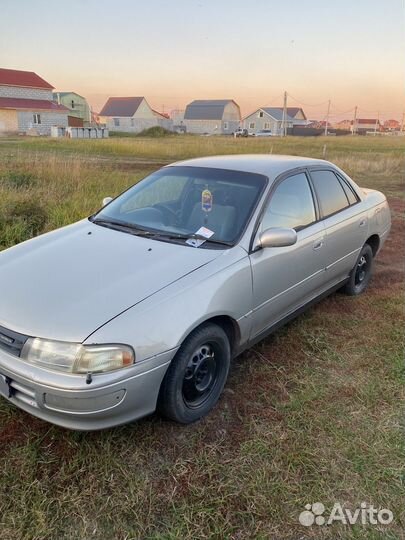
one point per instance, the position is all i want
(181, 202)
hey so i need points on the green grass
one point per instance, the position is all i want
(313, 413)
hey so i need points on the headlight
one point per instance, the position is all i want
(77, 358)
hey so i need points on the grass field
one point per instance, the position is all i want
(313, 413)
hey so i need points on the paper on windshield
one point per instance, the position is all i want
(197, 242)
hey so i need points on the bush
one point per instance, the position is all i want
(21, 220)
(156, 132)
(153, 132)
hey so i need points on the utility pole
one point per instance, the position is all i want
(377, 121)
(354, 129)
(284, 123)
(327, 119)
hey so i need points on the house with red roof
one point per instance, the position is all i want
(363, 125)
(26, 104)
(131, 114)
(392, 125)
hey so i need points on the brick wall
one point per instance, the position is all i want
(216, 127)
(128, 125)
(48, 119)
(26, 93)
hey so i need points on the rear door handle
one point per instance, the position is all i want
(362, 223)
(317, 244)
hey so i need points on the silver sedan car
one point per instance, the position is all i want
(143, 305)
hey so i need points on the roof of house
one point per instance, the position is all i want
(31, 104)
(207, 109)
(277, 113)
(293, 111)
(391, 122)
(121, 106)
(367, 121)
(163, 114)
(15, 77)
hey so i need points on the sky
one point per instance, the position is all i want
(351, 52)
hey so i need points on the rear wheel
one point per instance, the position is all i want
(361, 274)
(196, 376)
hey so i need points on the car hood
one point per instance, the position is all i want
(65, 284)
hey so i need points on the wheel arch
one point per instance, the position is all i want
(228, 324)
(231, 329)
(374, 242)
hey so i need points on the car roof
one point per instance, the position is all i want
(269, 165)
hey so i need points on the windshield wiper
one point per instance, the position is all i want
(122, 225)
(194, 236)
(139, 231)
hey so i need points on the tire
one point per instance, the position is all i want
(361, 274)
(196, 376)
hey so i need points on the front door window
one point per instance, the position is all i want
(291, 204)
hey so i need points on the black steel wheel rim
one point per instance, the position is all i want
(362, 268)
(200, 376)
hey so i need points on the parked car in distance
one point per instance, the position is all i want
(143, 305)
(263, 133)
(241, 132)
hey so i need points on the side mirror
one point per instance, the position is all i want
(277, 237)
(107, 200)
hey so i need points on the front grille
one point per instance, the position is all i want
(11, 342)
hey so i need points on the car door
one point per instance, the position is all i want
(285, 278)
(344, 220)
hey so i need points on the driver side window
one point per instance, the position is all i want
(165, 190)
(291, 204)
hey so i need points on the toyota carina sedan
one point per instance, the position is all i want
(143, 305)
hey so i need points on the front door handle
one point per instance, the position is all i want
(317, 244)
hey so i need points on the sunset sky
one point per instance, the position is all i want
(172, 51)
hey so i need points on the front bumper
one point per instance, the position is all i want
(68, 401)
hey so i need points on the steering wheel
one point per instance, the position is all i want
(170, 214)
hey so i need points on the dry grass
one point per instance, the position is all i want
(310, 414)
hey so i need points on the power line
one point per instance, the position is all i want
(277, 99)
(340, 111)
(307, 104)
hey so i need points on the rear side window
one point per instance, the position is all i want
(331, 195)
(349, 193)
(291, 204)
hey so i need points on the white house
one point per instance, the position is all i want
(271, 119)
(26, 104)
(130, 114)
(212, 116)
(362, 125)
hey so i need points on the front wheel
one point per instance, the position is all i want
(196, 376)
(361, 274)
